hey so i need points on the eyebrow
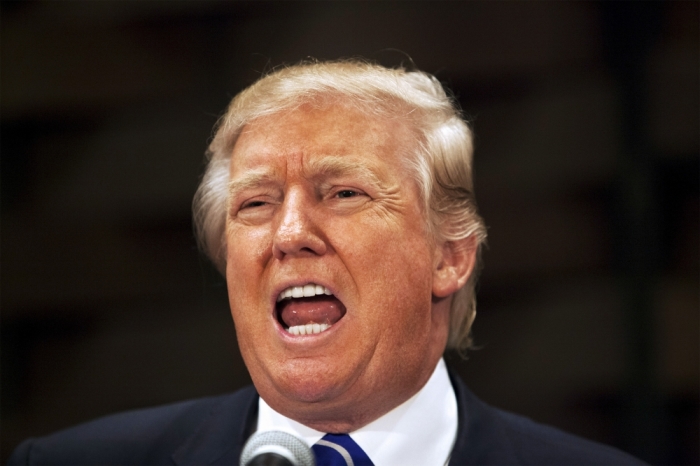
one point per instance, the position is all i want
(251, 179)
(329, 166)
(334, 166)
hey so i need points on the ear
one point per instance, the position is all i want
(454, 265)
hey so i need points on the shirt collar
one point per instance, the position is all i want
(422, 430)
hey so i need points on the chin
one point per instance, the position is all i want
(310, 382)
(320, 406)
(310, 392)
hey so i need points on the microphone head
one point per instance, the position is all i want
(275, 444)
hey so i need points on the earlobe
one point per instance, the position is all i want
(454, 267)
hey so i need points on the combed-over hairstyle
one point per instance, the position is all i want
(441, 161)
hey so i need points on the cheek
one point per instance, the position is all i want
(247, 251)
(246, 255)
(393, 269)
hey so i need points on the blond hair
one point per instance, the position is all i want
(442, 160)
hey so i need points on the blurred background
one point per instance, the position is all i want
(587, 127)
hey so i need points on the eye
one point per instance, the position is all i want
(346, 193)
(252, 204)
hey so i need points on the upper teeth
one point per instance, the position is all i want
(303, 291)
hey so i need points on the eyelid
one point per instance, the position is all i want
(243, 201)
(247, 203)
(335, 190)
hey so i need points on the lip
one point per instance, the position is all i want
(300, 282)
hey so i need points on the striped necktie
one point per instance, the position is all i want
(339, 450)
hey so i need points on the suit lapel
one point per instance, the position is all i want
(480, 436)
(220, 438)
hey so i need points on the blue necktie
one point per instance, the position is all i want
(339, 450)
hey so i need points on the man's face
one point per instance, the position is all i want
(321, 203)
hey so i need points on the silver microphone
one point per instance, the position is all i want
(276, 448)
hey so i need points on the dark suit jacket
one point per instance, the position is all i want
(214, 430)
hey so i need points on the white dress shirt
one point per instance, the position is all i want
(420, 431)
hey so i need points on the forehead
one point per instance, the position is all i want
(307, 132)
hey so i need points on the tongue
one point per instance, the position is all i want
(316, 310)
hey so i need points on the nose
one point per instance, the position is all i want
(297, 234)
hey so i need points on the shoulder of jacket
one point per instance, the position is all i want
(536, 443)
(141, 436)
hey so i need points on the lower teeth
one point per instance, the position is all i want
(308, 329)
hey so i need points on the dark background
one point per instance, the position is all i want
(586, 121)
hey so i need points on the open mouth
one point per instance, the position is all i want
(308, 309)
